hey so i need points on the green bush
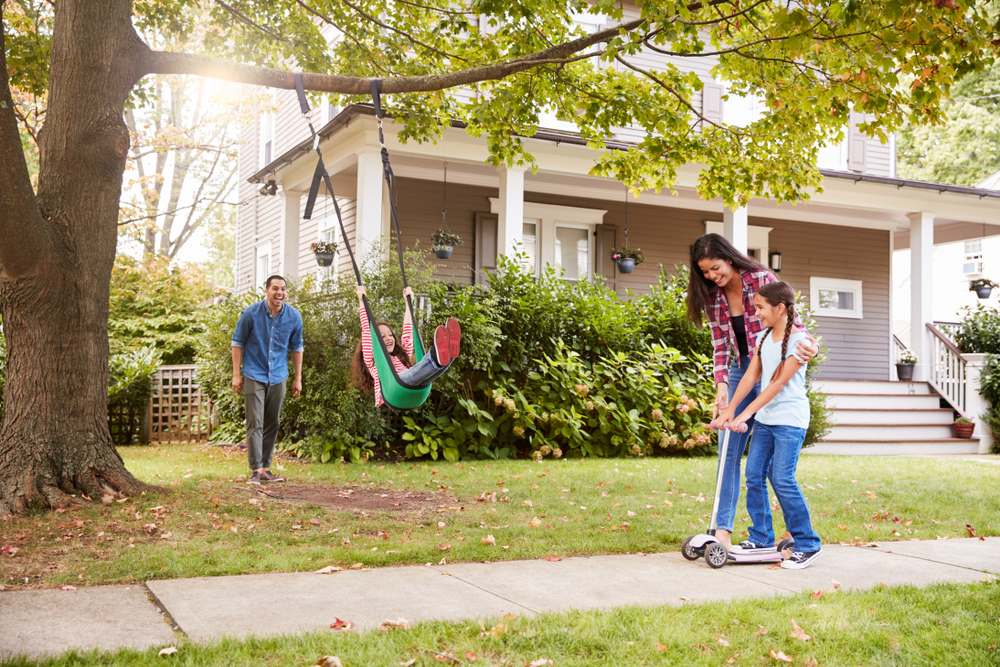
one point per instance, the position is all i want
(626, 404)
(130, 386)
(155, 303)
(980, 332)
(989, 389)
(820, 421)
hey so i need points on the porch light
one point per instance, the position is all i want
(269, 189)
(774, 259)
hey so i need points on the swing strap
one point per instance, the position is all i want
(320, 175)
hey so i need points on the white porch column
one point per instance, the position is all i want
(921, 284)
(368, 230)
(511, 209)
(734, 228)
(976, 405)
(289, 252)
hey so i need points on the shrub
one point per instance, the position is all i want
(980, 332)
(989, 389)
(130, 386)
(820, 421)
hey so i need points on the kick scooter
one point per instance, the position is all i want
(707, 545)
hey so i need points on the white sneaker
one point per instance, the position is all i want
(800, 560)
(748, 547)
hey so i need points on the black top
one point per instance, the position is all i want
(740, 329)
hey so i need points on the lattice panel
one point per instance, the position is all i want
(179, 412)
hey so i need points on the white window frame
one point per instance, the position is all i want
(548, 216)
(267, 134)
(757, 239)
(538, 242)
(833, 156)
(263, 251)
(325, 225)
(975, 258)
(816, 284)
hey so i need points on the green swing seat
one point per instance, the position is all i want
(396, 393)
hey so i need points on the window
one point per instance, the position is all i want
(833, 156)
(263, 262)
(973, 262)
(267, 138)
(560, 236)
(742, 110)
(329, 109)
(832, 297)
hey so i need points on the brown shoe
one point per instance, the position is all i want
(454, 336)
(268, 476)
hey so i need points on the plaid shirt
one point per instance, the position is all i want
(721, 324)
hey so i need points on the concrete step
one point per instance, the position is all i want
(868, 432)
(883, 402)
(871, 387)
(895, 447)
(844, 416)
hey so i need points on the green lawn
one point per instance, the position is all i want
(938, 626)
(206, 524)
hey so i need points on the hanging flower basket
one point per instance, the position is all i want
(444, 241)
(324, 252)
(627, 258)
(982, 287)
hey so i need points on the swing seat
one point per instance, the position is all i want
(396, 393)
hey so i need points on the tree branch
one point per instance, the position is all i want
(21, 224)
(246, 19)
(165, 62)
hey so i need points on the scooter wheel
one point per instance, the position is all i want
(787, 543)
(716, 555)
(688, 551)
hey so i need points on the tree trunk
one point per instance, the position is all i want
(54, 287)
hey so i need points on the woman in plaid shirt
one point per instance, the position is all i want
(722, 286)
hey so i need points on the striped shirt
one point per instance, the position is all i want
(720, 323)
(368, 354)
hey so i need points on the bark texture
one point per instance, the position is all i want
(57, 248)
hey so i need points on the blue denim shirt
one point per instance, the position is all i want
(266, 341)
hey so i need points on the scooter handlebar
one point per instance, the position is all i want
(742, 428)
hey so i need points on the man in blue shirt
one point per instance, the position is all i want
(265, 334)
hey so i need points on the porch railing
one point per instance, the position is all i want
(949, 329)
(947, 369)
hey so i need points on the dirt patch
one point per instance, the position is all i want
(359, 498)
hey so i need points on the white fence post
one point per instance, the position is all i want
(976, 405)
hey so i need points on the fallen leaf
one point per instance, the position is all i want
(297, 526)
(811, 662)
(553, 559)
(341, 625)
(235, 530)
(444, 547)
(106, 498)
(541, 662)
(168, 651)
(471, 657)
(731, 661)
(150, 528)
(8, 550)
(722, 642)
(398, 624)
(314, 521)
(357, 566)
(489, 539)
(780, 655)
(408, 663)
(662, 647)
(67, 588)
(535, 522)
(329, 661)
(817, 594)
(972, 531)
(442, 562)
(762, 630)
(836, 584)
(798, 633)
(329, 569)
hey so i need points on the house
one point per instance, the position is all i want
(836, 248)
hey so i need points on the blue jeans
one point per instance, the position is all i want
(774, 456)
(729, 495)
(423, 371)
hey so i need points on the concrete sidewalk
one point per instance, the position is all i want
(42, 623)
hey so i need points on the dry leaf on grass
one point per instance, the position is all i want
(722, 642)
(329, 569)
(535, 522)
(836, 584)
(972, 531)
(408, 663)
(444, 657)
(541, 662)
(798, 633)
(329, 661)
(811, 662)
(338, 624)
(67, 588)
(8, 550)
(170, 650)
(663, 648)
(398, 624)
(762, 630)
(489, 539)
(780, 655)
(553, 559)
(817, 594)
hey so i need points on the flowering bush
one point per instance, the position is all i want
(626, 252)
(444, 237)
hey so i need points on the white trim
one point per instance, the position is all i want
(817, 283)
(587, 216)
(263, 249)
(757, 238)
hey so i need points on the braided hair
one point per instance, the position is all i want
(779, 293)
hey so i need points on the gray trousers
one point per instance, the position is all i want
(263, 418)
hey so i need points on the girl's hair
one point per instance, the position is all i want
(712, 246)
(777, 294)
(361, 377)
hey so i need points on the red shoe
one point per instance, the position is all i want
(442, 346)
(455, 336)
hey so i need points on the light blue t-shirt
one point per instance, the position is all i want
(791, 406)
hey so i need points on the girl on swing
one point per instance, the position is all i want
(364, 375)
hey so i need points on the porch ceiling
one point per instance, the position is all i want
(847, 199)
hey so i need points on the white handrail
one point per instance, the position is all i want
(947, 370)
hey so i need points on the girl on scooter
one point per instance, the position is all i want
(782, 415)
(722, 286)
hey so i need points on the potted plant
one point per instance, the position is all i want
(982, 287)
(324, 252)
(444, 242)
(627, 258)
(904, 367)
(963, 427)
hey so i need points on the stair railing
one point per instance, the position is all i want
(947, 369)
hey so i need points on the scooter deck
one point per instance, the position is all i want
(699, 542)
